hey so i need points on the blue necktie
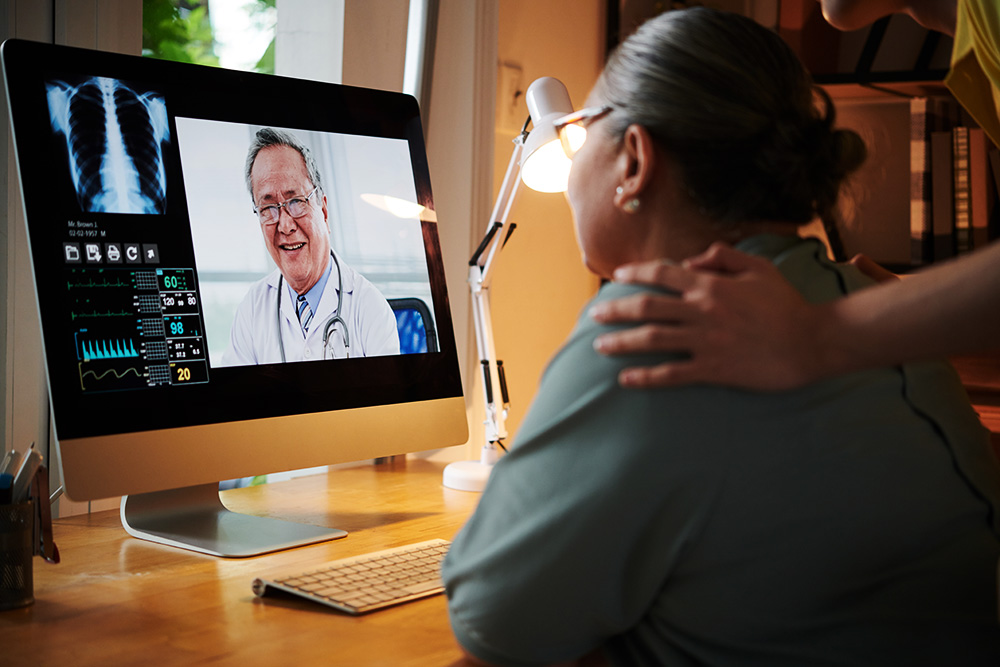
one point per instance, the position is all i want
(304, 312)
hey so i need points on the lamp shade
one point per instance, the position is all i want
(544, 165)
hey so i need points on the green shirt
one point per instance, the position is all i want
(849, 522)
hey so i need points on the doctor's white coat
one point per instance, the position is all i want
(371, 325)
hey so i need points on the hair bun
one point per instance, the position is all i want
(733, 104)
(849, 151)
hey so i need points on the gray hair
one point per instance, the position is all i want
(734, 105)
(270, 136)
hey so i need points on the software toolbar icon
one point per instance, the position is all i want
(71, 251)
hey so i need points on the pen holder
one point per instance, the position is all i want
(16, 529)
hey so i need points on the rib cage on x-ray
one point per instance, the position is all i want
(114, 138)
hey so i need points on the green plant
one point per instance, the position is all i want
(178, 30)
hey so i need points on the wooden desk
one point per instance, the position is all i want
(116, 600)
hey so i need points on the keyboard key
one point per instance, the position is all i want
(369, 582)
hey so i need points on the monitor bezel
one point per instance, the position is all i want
(383, 405)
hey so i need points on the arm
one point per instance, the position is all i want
(745, 326)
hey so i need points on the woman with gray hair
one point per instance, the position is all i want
(853, 521)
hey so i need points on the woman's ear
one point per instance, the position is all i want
(637, 163)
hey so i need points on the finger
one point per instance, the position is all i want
(723, 258)
(641, 308)
(661, 273)
(644, 339)
(654, 377)
(873, 270)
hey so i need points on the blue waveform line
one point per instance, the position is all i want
(115, 349)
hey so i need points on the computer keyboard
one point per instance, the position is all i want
(372, 581)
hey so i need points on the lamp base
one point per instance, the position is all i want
(467, 475)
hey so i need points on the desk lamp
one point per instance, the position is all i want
(539, 160)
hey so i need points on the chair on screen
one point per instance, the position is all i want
(414, 325)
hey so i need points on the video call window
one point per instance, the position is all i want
(374, 221)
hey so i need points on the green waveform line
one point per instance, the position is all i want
(105, 314)
(117, 283)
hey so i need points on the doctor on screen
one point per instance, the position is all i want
(313, 306)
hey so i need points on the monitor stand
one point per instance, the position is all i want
(194, 518)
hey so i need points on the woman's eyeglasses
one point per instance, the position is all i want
(295, 207)
(572, 128)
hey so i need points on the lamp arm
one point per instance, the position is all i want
(493, 392)
(501, 213)
(481, 269)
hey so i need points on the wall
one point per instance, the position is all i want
(459, 126)
(541, 284)
(111, 25)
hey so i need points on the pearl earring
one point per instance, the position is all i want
(632, 205)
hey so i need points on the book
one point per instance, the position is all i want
(960, 167)
(942, 196)
(980, 189)
(921, 226)
(927, 116)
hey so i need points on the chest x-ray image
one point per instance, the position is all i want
(114, 138)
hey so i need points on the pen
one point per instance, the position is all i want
(45, 546)
(10, 462)
(22, 481)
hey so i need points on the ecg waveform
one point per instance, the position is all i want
(91, 283)
(136, 328)
(111, 378)
(108, 313)
(113, 349)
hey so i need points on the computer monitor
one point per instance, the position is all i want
(163, 328)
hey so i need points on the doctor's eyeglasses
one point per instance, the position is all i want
(295, 207)
(572, 128)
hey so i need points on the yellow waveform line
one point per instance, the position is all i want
(97, 377)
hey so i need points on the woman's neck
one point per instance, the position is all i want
(679, 237)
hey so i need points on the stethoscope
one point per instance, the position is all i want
(331, 323)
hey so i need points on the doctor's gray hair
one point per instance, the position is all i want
(735, 107)
(269, 136)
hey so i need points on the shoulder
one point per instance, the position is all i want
(578, 350)
(261, 293)
(353, 281)
(579, 388)
(364, 292)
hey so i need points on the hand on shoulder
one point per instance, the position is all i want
(740, 321)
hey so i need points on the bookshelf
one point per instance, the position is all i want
(872, 75)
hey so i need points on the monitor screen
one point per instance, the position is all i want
(236, 273)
